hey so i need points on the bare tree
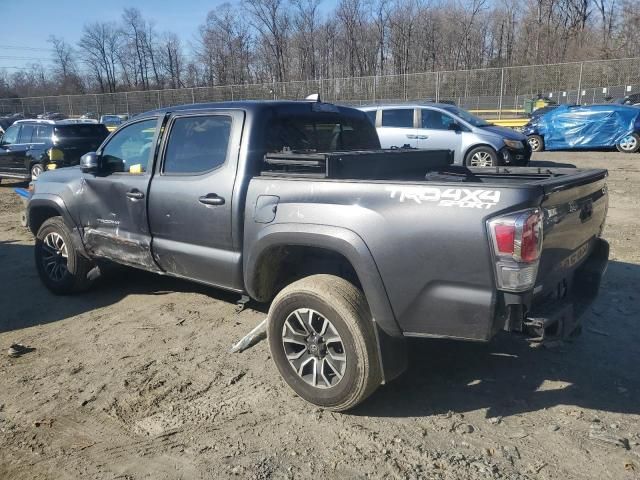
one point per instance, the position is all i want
(172, 59)
(272, 21)
(99, 45)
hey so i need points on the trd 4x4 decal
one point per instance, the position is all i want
(447, 197)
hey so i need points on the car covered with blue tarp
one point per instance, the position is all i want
(586, 127)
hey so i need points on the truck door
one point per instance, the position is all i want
(397, 128)
(114, 213)
(190, 199)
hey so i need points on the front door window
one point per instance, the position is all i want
(129, 150)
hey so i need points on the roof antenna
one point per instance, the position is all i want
(314, 97)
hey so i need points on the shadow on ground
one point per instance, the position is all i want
(597, 370)
(25, 302)
(550, 164)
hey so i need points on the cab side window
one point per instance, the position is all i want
(197, 144)
(435, 120)
(129, 151)
(398, 117)
(11, 135)
(42, 134)
(26, 133)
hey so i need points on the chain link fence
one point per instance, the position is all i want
(492, 92)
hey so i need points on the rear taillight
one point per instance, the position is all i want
(517, 244)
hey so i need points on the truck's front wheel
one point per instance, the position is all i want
(323, 341)
(60, 266)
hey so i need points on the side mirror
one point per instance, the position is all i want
(455, 127)
(89, 162)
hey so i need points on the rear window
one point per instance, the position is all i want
(321, 133)
(42, 134)
(398, 117)
(94, 131)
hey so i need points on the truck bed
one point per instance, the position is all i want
(411, 165)
(425, 223)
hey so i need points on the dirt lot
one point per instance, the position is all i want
(133, 380)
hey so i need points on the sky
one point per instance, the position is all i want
(27, 24)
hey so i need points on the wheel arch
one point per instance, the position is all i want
(266, 271)
(476, 145)
(45, 206)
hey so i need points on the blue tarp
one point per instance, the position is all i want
(594, 126)
(23, 192)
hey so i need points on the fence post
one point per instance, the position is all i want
(44, 108)
(579, 96)
(159, 106)
(126, 101)
(97, 108)
(22, 105)
(501, 93)
(193, 95)
(375, 84)
(437, 87)
(70, 106)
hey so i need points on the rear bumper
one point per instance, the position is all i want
(557, 316)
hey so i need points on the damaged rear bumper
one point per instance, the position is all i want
(557, 316)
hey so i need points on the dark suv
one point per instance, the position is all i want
(29, 147)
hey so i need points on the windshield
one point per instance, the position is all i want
(466, 116)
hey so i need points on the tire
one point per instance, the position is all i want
(482, 157)
(629, 144)
(36, 170)
(61, 275)
(536, 142)
(341, 384)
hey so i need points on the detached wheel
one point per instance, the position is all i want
(629, 144)
(536, 142)
(36, 170)
(322, 340)
(482, 157)
(60, 266)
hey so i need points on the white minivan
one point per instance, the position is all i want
(474, 141)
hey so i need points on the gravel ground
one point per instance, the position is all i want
(133, 380)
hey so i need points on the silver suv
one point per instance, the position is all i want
(474, 141)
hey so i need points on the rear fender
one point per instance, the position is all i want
(391, 344)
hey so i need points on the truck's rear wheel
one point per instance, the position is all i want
(323, 342)
(60, 266)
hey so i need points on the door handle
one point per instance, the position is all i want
(412, 137)
(211, 199)
(422, 137)
(135, 194)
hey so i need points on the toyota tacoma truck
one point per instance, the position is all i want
(354, 247)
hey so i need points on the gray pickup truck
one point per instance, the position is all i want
(355, 248)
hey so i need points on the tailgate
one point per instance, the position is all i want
(575, 210)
